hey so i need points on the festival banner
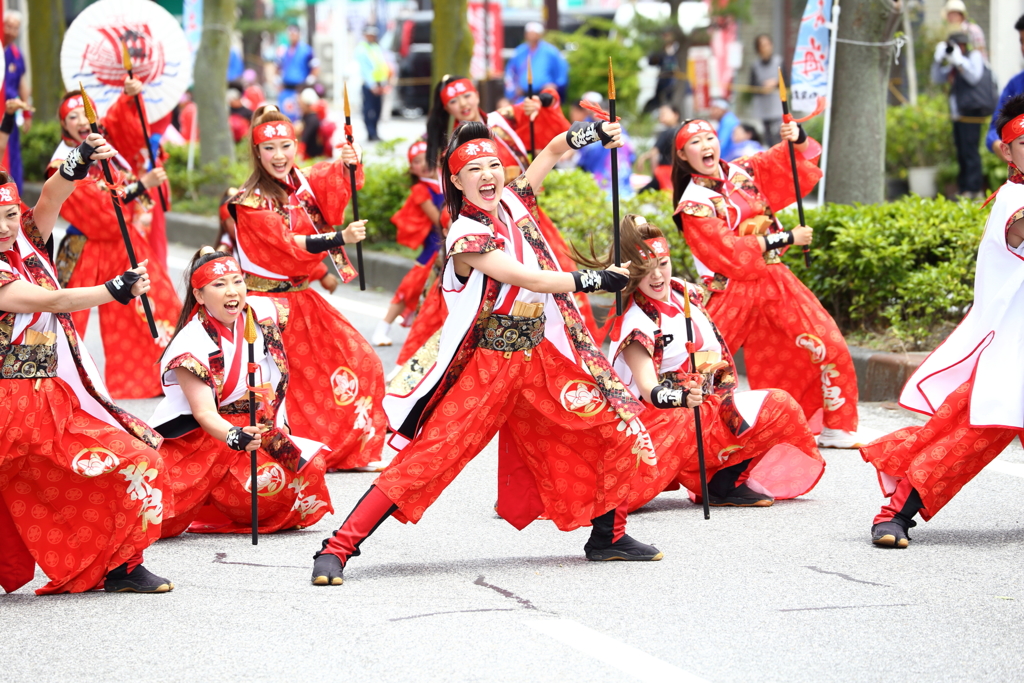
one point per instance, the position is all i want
(810, 58)
(495, 40)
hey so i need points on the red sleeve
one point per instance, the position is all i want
(90, 210)
(773, 173)
(412, 223)
(318, 272)
(123, 130)
(330, 183)
(550, 123)
(721, 250)
(267, 241)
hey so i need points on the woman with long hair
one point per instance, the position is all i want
(726, 212)
(457, 102)
(757, 445)
(284, 218)
(515, 360)
(80, 482)
(204, 417)
(93, 251)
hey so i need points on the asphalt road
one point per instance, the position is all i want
(795, 592)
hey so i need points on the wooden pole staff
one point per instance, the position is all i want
(127, 59)
(529, 95)
(616, 240)
(696, 411)
(355, 195)
(90, 114)
(787, 118)
(250, 337)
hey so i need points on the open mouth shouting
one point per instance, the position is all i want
(488, 192)
(233, 307)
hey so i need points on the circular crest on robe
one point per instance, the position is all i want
(91, 53)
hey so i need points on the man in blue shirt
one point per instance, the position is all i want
(1014, 87)
(298, 68)
(15, 87)
(548, 65)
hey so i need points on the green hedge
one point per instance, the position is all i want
(37, 147)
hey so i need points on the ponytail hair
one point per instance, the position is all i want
(438, 122)
(633, 234)
(201, 258)
(260, 179)
(474, 130)
(682, 174)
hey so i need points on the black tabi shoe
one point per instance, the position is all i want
(889, 535)
(741, 497)
(328, 570)
(141, 580)
(626, 548)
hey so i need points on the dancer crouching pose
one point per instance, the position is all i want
(757, 444)
(570, 440)
(80, 481)
(971, 385)
(205, 415)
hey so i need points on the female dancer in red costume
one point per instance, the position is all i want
(205, 415)
(515, 360)
(726, 212)
(93, 251)
(757, 444)
(418, 223)
(79, 478)
(456, 97)
(284, 218)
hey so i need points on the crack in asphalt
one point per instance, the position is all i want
(846, 576)
(455, 611)
(815, 609)
(221, 558)
(507, 593)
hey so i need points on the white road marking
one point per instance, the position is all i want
(625, 658)
(1003, 467)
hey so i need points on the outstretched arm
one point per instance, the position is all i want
(59, 187)
(19, 296)
(499, 266)
(578, 136)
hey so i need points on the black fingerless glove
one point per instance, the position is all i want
(237, 440)
(121, 286)
(133, 192)
(546, 99)
(7, 125)
(665, 398)
(599, 280)
(778, 240)
(802, 137)
(76, 165)
(318, 244)
(583, 133)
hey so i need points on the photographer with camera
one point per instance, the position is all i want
(972, 98)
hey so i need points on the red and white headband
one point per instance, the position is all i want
(273, 130)
(9, 194)
(467, 152)
(418, 147)
(658, 246)
(1012, 130)
(456, 88)
(71, 103)
(692, 128)
(212, 270)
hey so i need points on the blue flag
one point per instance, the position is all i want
(810, 58)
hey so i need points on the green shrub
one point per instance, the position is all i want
(918, 136)
(209, 180)
(37, 147)
(588, 55)
(386, 187)
(906, 265)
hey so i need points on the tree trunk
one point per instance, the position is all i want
(210, 88)
(551, 15)
(453, 42)
(856, 156)
(45, 34)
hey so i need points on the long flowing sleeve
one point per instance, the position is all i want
(718, 247)
(773, 173)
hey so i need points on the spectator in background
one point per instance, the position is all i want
(374, 69)
(745, 142)
(764, 79)
(667, 58)
(239, 115)
(548, 65)
(298, 67)
(660, 155)
(720, 115)
(1014, 87)
(310, 143)
(252, 93)
(954, 13)
(16, 86)
(958, 63)
(235, 65)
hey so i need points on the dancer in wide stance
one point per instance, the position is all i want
(80, 481)
(970, 387)
(205, 415)
(284, 218)
(726, 212)
(511, 362)
(757, 444)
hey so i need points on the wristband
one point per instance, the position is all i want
(599, 280)
(583, 133)
(133, 191)
(7, 125)
(121, 287)
(237, 440)
(546, 99)
(802, 137)
(778, 240)
(318, 244)
(665, 398)
(76, 165)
